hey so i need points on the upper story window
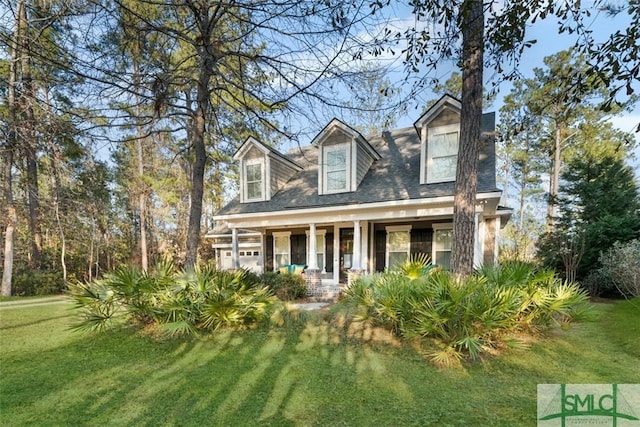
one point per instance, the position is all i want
(336, 168)
(254, 180)
(442, 153)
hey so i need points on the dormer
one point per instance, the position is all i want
(344, 157)
(439, 130)
(263, 171)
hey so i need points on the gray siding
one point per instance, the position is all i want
(336, 137)
(364, 162)
(253, 153)
(281, 173)
(446, 117)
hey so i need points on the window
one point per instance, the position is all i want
(398, 245)
(253, 180)
(241, 253)
(256, 253)
(442, 153)
(281, 250)
(336, 168)
(320, 238)
(442, 246)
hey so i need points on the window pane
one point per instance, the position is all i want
(336, 160)
(443, 259)
(444, 168)
(281, 245)
(396, 258)
(443, 240)
(337, 180)
(399, 241)
(254, 172)
(254, 190)
(320, 261)
(444, 144)
(282, 260)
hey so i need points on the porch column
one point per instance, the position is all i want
(478, 252)
(364, 261)
(357, 245)
(313, 248)
(235, 261)
(336, 253)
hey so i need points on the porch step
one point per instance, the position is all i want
(324, 292)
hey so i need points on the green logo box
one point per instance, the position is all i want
(577, 405)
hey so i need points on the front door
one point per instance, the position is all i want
(346, 252)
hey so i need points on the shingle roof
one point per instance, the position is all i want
(395, 176)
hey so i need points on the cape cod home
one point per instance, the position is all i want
(348, 204)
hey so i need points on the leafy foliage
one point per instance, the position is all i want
(622, 264)
(601, 203)
(466, 316)
(287, 287)
(182, 302)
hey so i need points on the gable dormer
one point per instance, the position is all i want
(439, 130)
(344, 157)
(263, 171)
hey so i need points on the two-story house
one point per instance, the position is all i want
(350, 204)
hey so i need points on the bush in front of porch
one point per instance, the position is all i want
(287, 286)
(465, 317)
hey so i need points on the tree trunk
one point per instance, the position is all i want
(554, 180)
(207, 60)
(10, 209)
(470, 119)
(30, 144)
(142, 195)
(55, 191)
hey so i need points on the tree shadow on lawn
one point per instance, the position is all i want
(319, 373)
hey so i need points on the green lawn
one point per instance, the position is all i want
(316, 374)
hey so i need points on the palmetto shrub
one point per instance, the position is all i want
(464, 316)
(178, 301)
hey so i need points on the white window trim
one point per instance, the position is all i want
(391, 229)
(281, 234)
(348, 178)
(427, 160)
(320, 234)
(245, 184)
(436, 228)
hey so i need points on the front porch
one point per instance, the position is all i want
(331, 253)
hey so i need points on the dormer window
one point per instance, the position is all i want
(254, 180)
(263, 171)
(439, 130)
(442, 153)
(336, 171)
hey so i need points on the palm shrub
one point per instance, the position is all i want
(465, 316)
(181, 302)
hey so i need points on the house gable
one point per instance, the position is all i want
(439, 130)
(344, 158)
(263, 171)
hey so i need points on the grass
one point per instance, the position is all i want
(314, 374)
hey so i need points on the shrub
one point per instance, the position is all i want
(36, 282)
(622, 263)
(598, 282)
(465, 316)
(287, 287)
(181, 302)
